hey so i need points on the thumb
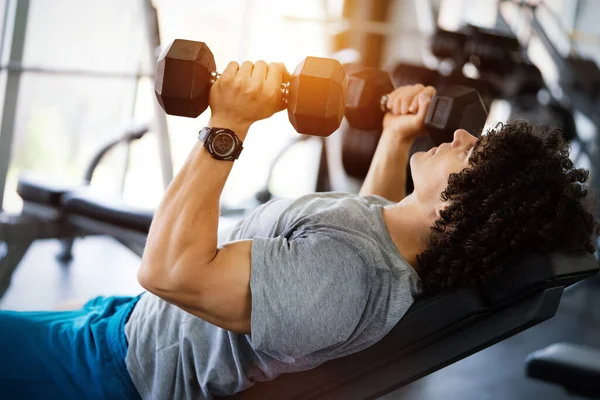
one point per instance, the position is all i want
(286, 76)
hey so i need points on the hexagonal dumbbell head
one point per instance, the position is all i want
(365, 90)
(452, 108)
(183, 78)
(317, 96)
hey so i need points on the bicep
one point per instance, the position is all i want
(219, 292)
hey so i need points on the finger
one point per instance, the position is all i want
(426, 94)
(275, 76)
(389, 104)
(397, 106)
(393, 96)
(429, 91)
(399, 92)
(414, 105)
(260, 70)
(286, 76)
(245, 69)
(230, 71)
(408, 97)
(424, 102)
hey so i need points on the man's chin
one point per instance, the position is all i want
(416, 159)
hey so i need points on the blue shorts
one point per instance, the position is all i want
(67, 354)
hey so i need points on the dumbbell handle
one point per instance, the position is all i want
(285, 86)
(383, 103)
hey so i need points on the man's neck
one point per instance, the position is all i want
(408, 223)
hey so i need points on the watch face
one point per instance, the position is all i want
(223, 144)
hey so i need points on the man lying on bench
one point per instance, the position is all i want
(307, 280)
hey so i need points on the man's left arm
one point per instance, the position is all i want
(387, 172)
(181, 262)
(403, 122)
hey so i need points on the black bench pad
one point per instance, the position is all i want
(575, 367)
(424, 339)
(44, 190)
(89, 204)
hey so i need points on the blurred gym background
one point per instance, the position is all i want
(74, 75)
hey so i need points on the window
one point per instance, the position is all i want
(63, 119)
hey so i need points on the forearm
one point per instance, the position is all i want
(185, 225)
(387, 173)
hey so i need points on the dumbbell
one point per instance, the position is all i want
(487, 49)
(451, 108)
(315, 95)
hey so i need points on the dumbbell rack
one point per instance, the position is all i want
(572, 70)
(19, 11)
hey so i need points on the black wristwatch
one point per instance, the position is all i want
(222, 143)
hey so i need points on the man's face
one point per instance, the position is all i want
(431, 169)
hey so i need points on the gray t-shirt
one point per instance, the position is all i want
(326, 281)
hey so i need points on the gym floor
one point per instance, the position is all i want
(102, 266)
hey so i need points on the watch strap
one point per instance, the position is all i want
(204, 133)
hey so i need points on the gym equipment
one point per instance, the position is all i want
(578, 78)
(53, 210)
(366, 99)
(435, 332)
(487, 49)
(315, 94)
(528, 107)
(575, 367)
(524, 78)
(409, 74)
(42, 216)
(448, 45)
(367, 88)
(451, 108)
(438, 331)
(585, 76)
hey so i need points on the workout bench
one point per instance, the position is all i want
(57, 211)
(439, 331)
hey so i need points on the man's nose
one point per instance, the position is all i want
(461, 137)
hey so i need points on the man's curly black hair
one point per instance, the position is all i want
(521, 196)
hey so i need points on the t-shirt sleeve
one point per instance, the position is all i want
(308, 293)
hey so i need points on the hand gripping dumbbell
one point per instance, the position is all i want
(315, 95)
(452, 107)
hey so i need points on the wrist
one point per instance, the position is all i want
(240, 128)
(398, 138)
